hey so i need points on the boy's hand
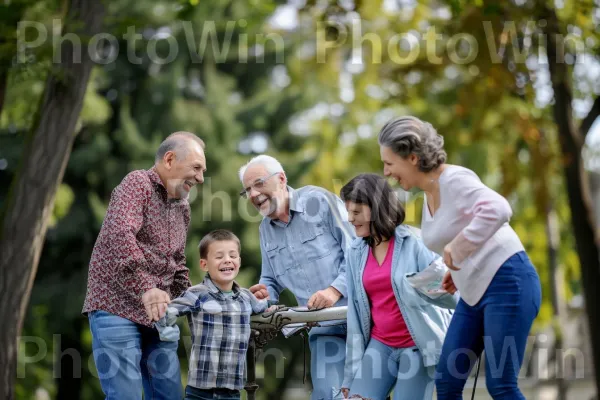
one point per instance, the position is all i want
(271, 309)
(260, 291)
(156, 302)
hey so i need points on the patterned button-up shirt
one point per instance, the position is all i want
(308, 253)
(141, 246)
(220, 326)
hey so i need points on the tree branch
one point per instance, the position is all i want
(589, 119)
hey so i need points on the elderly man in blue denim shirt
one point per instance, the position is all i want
(303, 240)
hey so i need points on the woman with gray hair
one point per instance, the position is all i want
(467, 223)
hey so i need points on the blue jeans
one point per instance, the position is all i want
(193, 393)
(130, 358)
(384, 368)
(499, 323)
(327, 358)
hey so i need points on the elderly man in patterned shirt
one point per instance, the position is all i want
(137, 265)
(304, 236)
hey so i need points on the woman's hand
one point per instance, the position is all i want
(448, 258)
(448, 283)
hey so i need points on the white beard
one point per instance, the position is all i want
(265, 212)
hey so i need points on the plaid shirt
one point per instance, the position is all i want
(220, 326)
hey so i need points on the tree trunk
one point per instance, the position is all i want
(31, 197)
(580, 203)
(552, 232)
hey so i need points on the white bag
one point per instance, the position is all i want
(429, 281)
(337, 394)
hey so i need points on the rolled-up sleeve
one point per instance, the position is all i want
(424, 259)
(188, 303)
(181, 278)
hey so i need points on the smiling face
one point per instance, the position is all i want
(222, 263)
(404, 170)
(266, 192)
(184, 169)
(359, 215)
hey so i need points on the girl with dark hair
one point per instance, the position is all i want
(395, 334)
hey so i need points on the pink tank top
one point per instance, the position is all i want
(389, 326)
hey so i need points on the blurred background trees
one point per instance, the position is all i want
(311, 83)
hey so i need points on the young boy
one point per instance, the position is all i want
(218, 313)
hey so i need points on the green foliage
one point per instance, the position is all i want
(485, 109)
(320, 117)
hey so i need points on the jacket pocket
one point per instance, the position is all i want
(280, 262)
(314, 245)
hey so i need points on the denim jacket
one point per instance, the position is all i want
(427, 320)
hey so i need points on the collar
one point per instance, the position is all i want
(154, 177)
(401, 232)
(294, 203)
(293, 199)
(215, 289)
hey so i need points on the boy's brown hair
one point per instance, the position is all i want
(218, 235)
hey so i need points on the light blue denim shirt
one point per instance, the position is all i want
(308, 253)
(425, 318)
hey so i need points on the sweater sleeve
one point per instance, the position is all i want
(486, 209)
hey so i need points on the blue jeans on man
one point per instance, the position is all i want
(130, 359)
(327, 358)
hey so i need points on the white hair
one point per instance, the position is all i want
(270, 163)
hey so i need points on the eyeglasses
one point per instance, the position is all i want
(257, 185)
